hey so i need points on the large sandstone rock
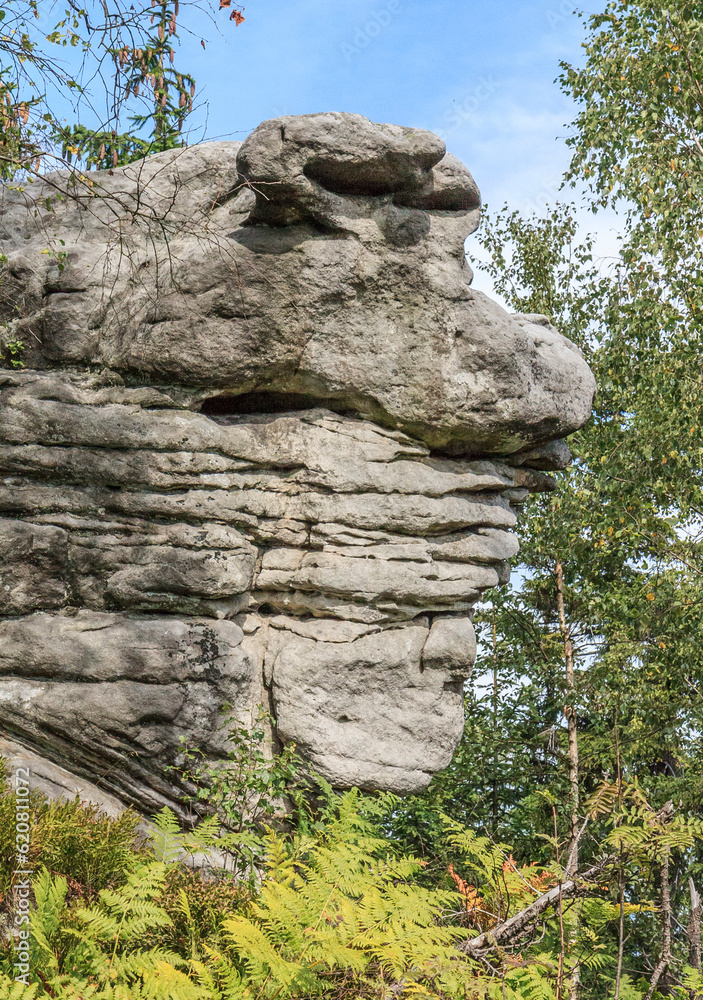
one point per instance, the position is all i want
(268, 451)
(112, 696)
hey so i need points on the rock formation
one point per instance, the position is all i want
(265, 449)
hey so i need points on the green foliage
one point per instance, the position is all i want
(14, 353)
(93, 850)
(636, 145)
(341, 910)
(335, 910)
(103, 945)
(335, 913)
(691, 984)
(20, 144)
(539, 266)
(625, 527)
(638, 130)
(99, 149)
(128, 56)
(624, 523)
(246, 790)
(197, 905)
(146, 68)
(10, 990)
(152, 64)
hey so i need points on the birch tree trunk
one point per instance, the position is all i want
(572, 722)
(694, 928)
(665, 960)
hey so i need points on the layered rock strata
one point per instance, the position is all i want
(267, 453)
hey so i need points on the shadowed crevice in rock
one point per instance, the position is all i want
(265, 401)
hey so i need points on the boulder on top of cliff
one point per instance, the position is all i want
(323, 257)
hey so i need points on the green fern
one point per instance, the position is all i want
(629, 991)
(11, 990)
(166, 984)
(167, 837)
(50, 900)
(334, 913)
(92, 850)
(96, 950)
(341, 906)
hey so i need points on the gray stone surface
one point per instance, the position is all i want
(341, 703)
(112, 696)
(268, 449)
(33, 565)
(54, 781)
(332, 265)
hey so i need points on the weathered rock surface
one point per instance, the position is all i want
(55, 781)
(268, 452)
(324, 257)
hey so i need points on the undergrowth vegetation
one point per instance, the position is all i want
(123, 910)
(92, 850)
(334, 911)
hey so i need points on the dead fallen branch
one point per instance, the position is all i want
(510, 930)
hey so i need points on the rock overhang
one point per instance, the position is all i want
(236, 269)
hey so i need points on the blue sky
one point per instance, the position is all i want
(480, 73)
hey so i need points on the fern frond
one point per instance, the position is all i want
(259, 955)
(11, 990)
(167, 837)
(50, 899)
(166, 982)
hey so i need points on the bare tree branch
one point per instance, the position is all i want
(511, 929)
